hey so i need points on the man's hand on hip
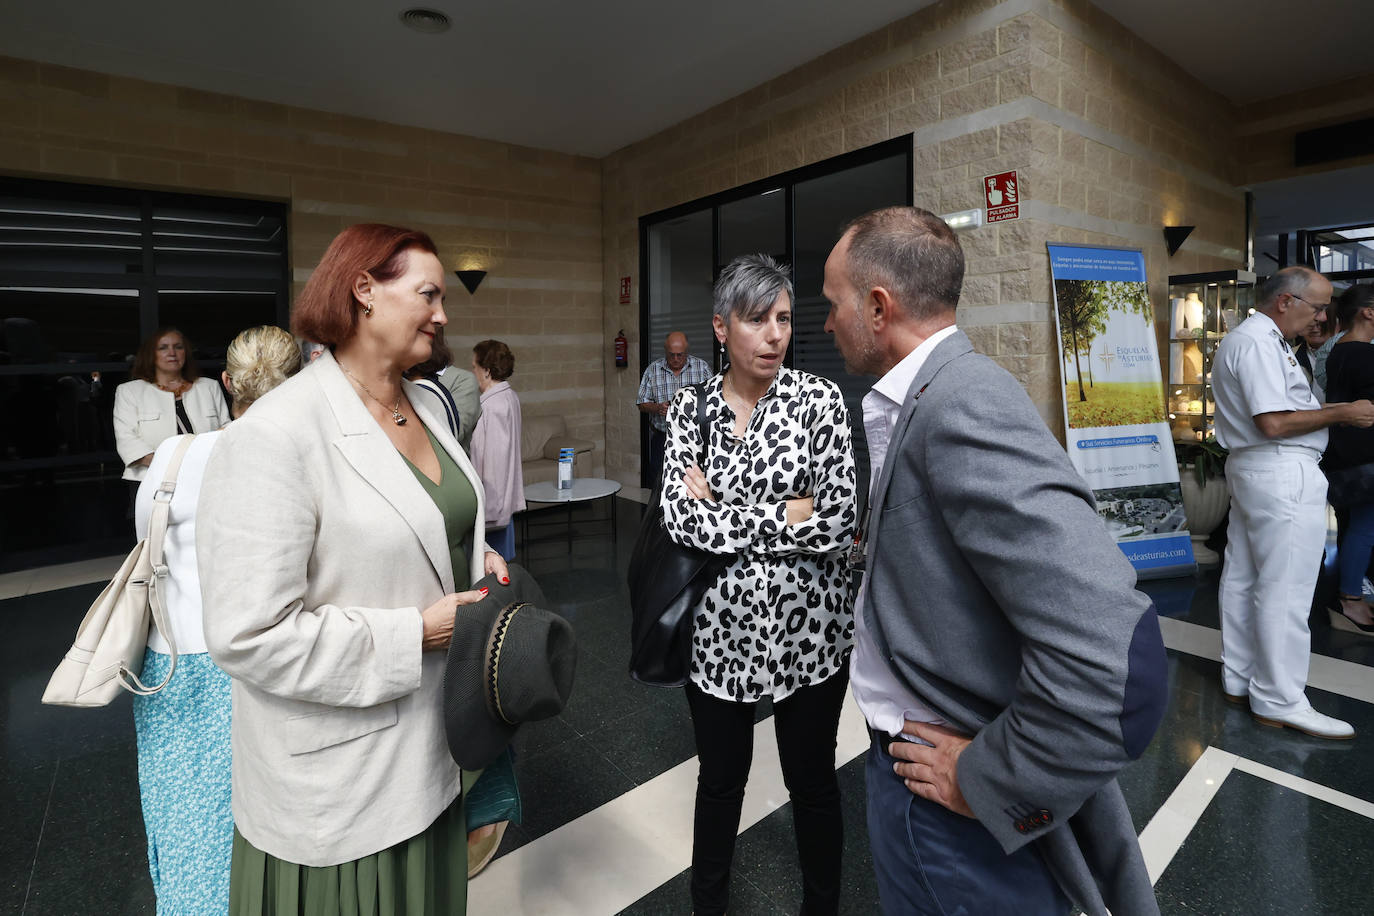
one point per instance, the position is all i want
(932, 771)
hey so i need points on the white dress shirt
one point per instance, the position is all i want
(885, 702)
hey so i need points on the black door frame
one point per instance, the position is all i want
(787, 181)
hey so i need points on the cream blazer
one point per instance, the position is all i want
(318, 549)
(145, 415)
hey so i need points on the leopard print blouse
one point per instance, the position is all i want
(781, 615)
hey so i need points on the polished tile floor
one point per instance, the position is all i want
(1235, 818)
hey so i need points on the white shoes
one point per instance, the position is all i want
(1309, 722)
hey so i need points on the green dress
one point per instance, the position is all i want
(425, 875)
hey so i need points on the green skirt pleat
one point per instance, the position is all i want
(425, 875)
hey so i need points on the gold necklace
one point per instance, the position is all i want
(396, 416)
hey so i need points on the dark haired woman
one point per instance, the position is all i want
(496, 442)
(1350, 455)
(346, 534)
(166, 397)
(436, 396)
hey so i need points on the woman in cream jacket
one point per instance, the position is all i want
(165, 397)
(343, 529)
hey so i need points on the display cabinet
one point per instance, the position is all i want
(1203, 308)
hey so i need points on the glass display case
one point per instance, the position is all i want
(1203, 308)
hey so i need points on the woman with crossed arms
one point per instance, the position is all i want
(777, 491)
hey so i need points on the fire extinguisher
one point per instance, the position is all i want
(622, 350)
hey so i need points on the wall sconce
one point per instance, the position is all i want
(964, 219)
(471, 278)
(1175, 236)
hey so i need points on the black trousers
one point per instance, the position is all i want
(805, 725)
(658, 445)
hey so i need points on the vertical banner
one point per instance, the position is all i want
(1117, 431)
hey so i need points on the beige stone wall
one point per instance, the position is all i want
(1266, 129)
(531, 218)
(1112, 141)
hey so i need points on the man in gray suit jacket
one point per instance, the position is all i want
(999, 631)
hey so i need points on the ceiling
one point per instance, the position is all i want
(1250, 50)
(592, 76)
(586, 77)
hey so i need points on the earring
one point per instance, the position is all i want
(367, 309)
(722, 349)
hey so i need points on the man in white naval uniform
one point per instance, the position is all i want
(1276, 431)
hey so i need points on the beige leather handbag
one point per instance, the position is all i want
(109, 647)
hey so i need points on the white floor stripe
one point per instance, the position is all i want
(1164, 835)
(1333, 675)
(609, 858)
(63, 575)
(1320, 792)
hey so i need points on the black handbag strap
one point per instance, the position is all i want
(700, 389)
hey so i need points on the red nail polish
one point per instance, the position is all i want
(485, 590)
(505, 580)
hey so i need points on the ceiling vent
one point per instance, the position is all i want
(431, 22)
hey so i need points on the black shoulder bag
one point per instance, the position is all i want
(666, 582)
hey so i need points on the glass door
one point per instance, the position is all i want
(85, 274)
(821, 207)
(795, 217)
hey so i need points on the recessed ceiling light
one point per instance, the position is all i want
(431, 22)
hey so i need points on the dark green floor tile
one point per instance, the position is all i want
(1261, 849)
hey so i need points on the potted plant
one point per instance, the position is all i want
(1202, 467)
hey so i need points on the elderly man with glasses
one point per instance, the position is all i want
(662, 380)
(1276, 430)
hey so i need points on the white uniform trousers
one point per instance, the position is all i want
(1273, 553)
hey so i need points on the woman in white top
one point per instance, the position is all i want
(496, 443)
(183, 731)
(166, 396)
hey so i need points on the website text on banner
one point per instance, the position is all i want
(1114, 418)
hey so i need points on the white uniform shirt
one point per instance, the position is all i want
(1255, 372)
(182, 597)
(885, 701)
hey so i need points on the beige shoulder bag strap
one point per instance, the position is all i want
(157, 533)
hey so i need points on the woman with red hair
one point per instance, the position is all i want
(347, 526)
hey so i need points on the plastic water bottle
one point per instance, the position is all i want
(565, 468)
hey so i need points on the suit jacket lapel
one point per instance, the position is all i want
(956, 344)
(365, 447)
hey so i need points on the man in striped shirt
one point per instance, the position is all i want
(662, 380)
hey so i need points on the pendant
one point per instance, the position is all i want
(398, 417)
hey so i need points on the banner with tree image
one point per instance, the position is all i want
(1114, 414)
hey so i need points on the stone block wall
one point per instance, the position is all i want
(531, 218)
(1111, 139)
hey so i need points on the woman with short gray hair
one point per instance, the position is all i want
(776, 490)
